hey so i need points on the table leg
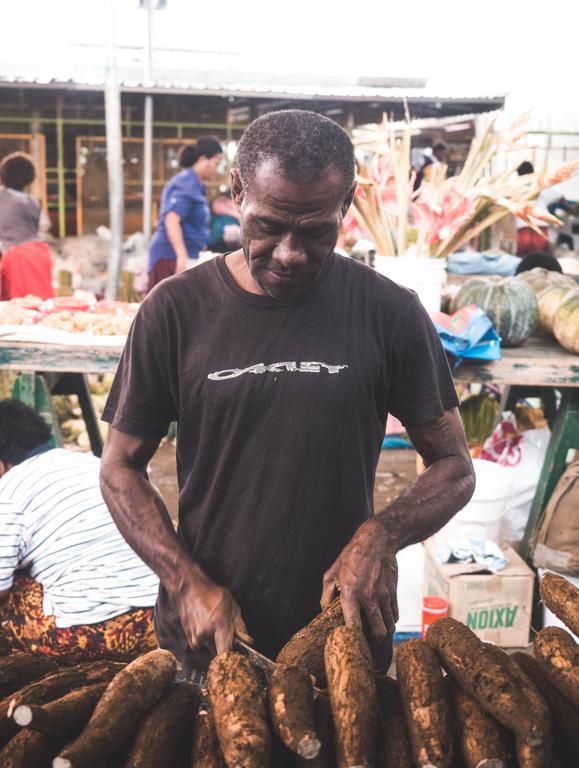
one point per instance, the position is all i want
(564, 436)
(77, 384)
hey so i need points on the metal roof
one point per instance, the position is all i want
(248, 84)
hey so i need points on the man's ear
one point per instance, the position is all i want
(3, 468)
(348, 199)
(237, 192)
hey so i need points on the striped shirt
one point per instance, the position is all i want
(54, 522)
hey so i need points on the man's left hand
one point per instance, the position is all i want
(367, 574)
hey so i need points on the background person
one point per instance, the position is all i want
(69, 584)
(26, 266)
(224, 232)
(183, 226)
(439, 155)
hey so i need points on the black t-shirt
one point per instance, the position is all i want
(281, 406)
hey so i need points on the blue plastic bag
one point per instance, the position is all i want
(468, 334)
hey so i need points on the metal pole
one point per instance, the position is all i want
(148, 131)
(114, 161)
(60, 170)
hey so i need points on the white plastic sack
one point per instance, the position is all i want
(525, 479)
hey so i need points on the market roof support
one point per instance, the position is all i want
(114, 161)
(148, 129)
(60, 169)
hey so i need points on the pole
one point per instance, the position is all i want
(148, 130)
(60, 170)
(114, 160)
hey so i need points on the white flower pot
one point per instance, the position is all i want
(425, 276)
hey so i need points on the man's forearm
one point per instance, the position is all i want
(142, 517)
(429, 501)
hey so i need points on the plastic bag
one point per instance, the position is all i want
(468, 334)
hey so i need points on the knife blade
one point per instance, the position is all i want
(258, 659)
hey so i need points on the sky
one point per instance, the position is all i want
(460, 46)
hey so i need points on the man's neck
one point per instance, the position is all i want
(237, 266)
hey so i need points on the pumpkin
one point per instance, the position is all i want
(540, 278)
(509, 302)
(566, 323)
(550, 299)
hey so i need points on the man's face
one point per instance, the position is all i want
(288, 229)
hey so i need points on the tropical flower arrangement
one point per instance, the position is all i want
(444, 213)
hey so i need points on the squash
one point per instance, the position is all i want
(550, 299)
(509, 302)
(540, 278)
(566, 323)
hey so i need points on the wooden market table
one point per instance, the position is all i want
(538, 368)
(58, 369)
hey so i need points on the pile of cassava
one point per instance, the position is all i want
(490, 710)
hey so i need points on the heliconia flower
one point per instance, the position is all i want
(562, 173)
(528, 212)
(441, 210)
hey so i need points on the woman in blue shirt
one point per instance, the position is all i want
(183, 226)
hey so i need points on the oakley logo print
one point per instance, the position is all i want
(290, 367)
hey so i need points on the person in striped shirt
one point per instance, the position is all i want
(70, 586)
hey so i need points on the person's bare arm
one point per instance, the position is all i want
(209, 615)
(175, 235)
(366, 570)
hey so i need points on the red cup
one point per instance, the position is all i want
(433, 608)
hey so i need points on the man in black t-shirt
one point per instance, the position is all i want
(280, 363)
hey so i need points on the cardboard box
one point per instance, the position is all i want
(497, 607)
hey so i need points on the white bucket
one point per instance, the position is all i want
(482, 517)
(425, 276)
(549, 618)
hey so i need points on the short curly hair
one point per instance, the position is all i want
(304, 144)
(17, 171)
(21, 430)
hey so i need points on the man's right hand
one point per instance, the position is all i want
(209, 615)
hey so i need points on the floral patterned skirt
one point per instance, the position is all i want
(25, 627)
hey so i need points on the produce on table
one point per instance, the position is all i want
(23, 668)
(14, 314)
(291, 709)
(566, 323)
(479, 415)
(550, 299)
(325, 730)
(165, 728)
(483, 741)
(206, 750)
(535, 750)
(46, 729)
(562, 598)
(395, 749)
(426, 703)
(353, 697)
(509, 302)
(306, 648)
(481, 674)
(99, 324)
(238, 704)
(53, 687)
(558, 656)
(127, 698)
(142, 718)
(540, 278)
(564, 716)
(54, 717)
